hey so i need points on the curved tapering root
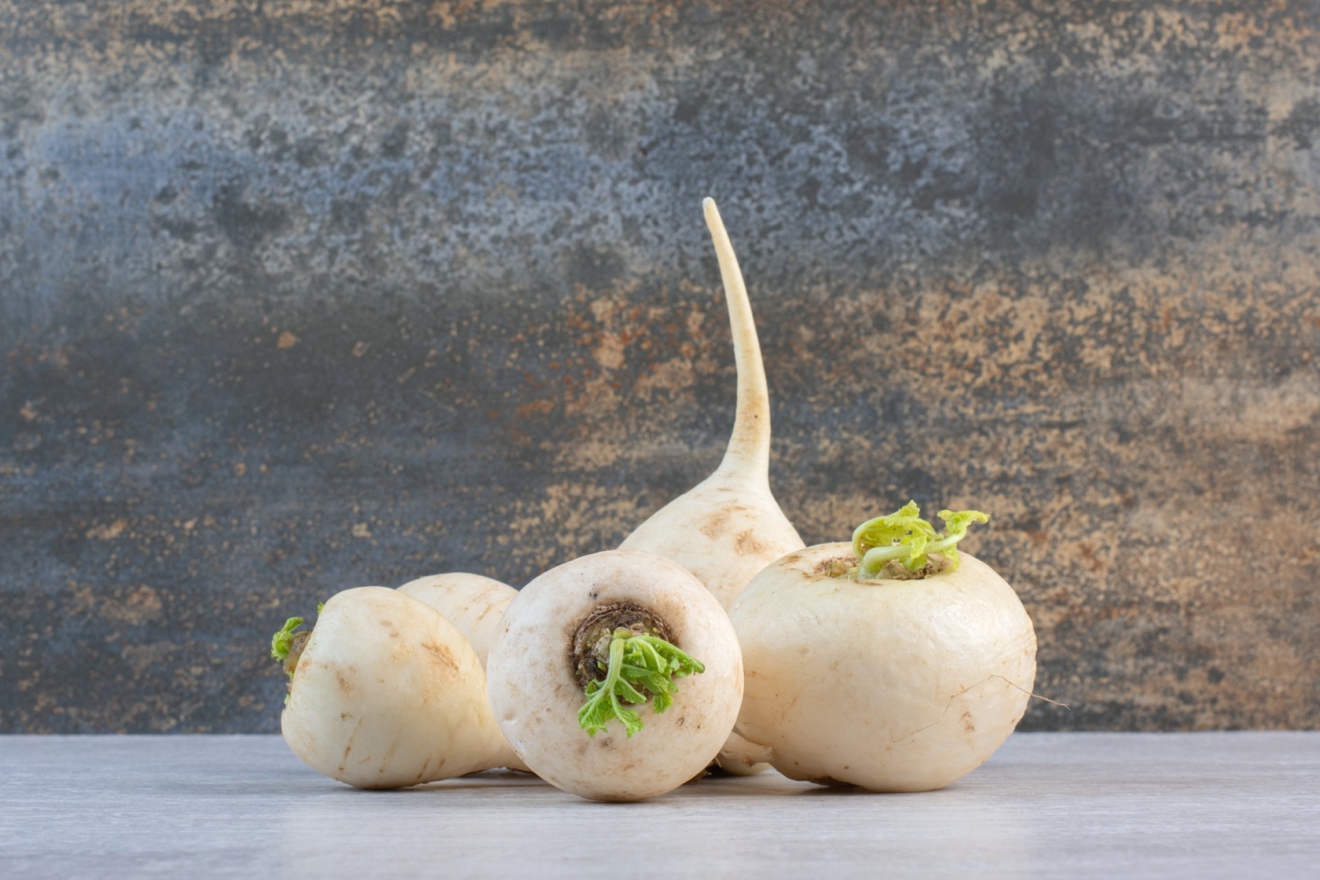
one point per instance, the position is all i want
(749, 445)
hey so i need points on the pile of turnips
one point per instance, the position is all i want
(711, 637)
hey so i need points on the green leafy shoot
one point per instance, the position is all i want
(641, 668)
(282, 641)
(287, 645)
(906, 537)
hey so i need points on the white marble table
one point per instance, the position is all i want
(1047, 805)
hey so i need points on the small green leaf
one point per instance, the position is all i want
(957, 523)
(906, 537)
(902, 535)
(280, 642)
(884, 531)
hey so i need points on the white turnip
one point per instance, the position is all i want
(582, 675)
(384, 692)
(729, 527)
(893, 663)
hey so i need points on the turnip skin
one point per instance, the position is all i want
(724, 531)
(536, 696)
(387, 693)
(473, 603)
(891, 685)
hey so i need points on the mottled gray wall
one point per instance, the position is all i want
(306, 295)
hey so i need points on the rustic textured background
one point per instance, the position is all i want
(297, 296)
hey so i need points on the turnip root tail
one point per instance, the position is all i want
(749, 446)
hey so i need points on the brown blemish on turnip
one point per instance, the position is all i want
(833, 567)
(441, 655)
(844, 566)
(713, 527)
(385, 761)
(897, 571)
(348, 746)
(746, 544)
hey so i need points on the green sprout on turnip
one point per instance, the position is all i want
(287, 645)
(282, 642)
(641, 667)
(905, 538)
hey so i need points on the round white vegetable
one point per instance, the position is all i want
(386, 693)
(892, 685)
(473, 603)
(560, 630)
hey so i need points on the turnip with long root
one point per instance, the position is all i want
(894, 663)
(473, 603)
(616, 676)
(384, 692)
(729, 527)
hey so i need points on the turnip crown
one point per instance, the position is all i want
(641, 667)
(286, 646)
(904, 537)
(282, 643)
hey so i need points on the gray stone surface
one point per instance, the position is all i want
(1046, 805)
(298, 296)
